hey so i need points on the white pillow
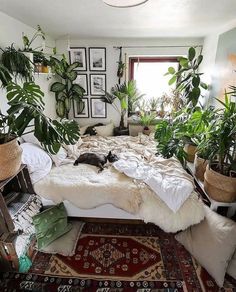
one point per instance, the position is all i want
(37, 160)
(212, 242)
(105, 131)
(30, 138)
(231, 270)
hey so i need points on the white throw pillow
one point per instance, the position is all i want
(212, 242)
(105, 131)
(30, 138)
(37, 160)
(231, 270)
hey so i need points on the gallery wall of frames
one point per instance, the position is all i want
(91, 75)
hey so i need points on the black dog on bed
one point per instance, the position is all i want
(96, 159)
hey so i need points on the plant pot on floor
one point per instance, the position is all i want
(219, 187)
(200, 165)
(190, 150)
(10, 159)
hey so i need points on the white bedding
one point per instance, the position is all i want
(86, 188)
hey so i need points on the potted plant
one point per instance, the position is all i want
(26, 108)
(146, 120)
(66, 90)
(153, 104)
(220, 175)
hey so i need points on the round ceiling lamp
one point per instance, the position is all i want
(124, 3)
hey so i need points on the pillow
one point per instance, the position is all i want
(66, 244)
(105, 131)
(82, 130)
(37, 160)
(60, 157)
(212, 243)
(30, 138)
(50, 225)
(91, 131)
(231, 270)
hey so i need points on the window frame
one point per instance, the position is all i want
(143, 59)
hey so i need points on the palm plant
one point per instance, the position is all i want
(65, 91)
(146, 119)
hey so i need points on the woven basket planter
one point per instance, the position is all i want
(10, 159)
(219, 187)
(200, 165)
(190, 150)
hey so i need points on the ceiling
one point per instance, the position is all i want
(92, 18)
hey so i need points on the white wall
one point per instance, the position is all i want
(168, 47)
(11, 32)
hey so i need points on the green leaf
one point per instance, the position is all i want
(57, 87)
(171, 70)
(204, 85)
(73, 66)
(199, 59)
(183, 62)
(196, 81)
(191, 53)
(172, 80)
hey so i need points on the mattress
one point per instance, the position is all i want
(111, 194)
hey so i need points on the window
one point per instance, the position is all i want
(149, 75)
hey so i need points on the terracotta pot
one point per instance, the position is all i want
(190, 150)
(10, 159)
(219, 187)
(200, 165)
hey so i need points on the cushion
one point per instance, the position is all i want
(105, 131)
(37, 160)
(212, 242)
(66, 244)
(231, 270)
(91, 131)
(30, 138)
(50, 225)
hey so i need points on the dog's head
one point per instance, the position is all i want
(112, 157)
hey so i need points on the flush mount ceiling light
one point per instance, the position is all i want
(124, 3)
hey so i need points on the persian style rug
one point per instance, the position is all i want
(117, 257)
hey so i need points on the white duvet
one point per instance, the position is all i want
(83, 186)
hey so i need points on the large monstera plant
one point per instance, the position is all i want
(26, 108)
(66, 91)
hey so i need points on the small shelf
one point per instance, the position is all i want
(213, 204)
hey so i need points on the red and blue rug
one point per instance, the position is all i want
(117, 257)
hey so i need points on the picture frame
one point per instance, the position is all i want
(81, 111)
(98, 108)
(97, 59)
(97, 84)
(82, 80)
(78, 54)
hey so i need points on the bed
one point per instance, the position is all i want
(112, 194)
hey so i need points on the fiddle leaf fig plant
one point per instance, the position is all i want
(25, 115)
(65, 90)
(187, 78)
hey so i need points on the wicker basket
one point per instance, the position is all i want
(219, 187)
(200, 165)
(10, 159)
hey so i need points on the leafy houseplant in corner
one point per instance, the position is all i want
(220, 175)
(65, 91)
(26, 109)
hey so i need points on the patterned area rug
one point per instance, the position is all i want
(118, 257)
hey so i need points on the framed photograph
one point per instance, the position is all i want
(97, 59)
(82, 80)
(98, 108)
(97, 84)
(78, 55)
(81, 109)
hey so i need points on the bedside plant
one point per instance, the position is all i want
(146, 120)
(26, 106)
